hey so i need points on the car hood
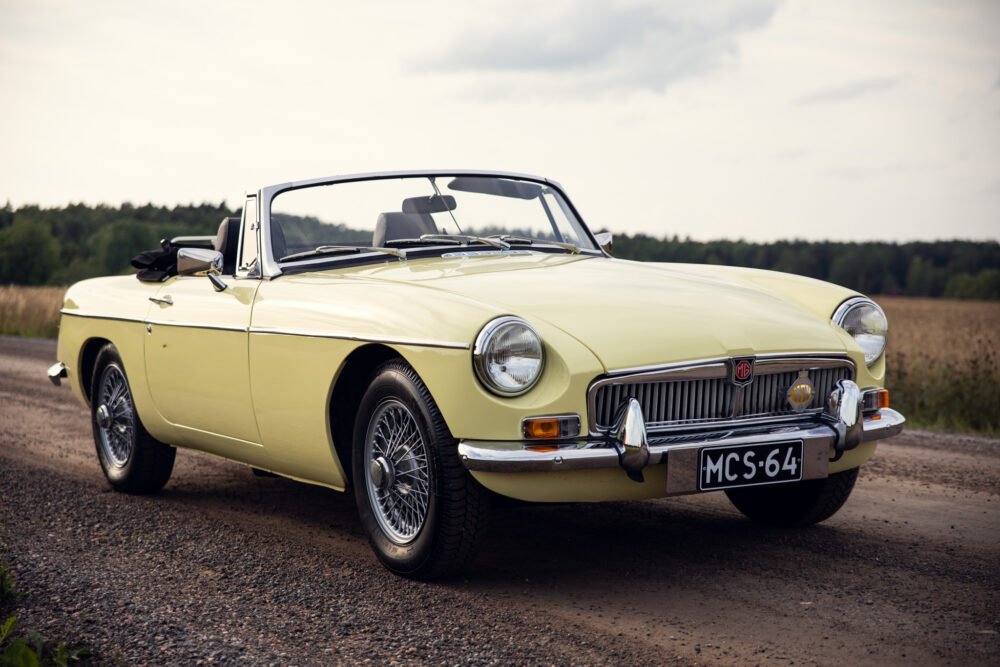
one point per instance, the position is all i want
(633, 314)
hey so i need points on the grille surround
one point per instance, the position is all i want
(701, 394)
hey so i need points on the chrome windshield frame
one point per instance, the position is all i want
(271, 268)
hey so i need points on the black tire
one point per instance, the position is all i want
(795, 505)
(457, 507)
(132, 460)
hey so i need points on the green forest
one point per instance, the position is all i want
(58, 246)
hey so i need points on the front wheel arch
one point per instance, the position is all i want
(348, 388)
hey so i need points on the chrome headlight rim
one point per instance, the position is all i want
(480, 358)
(852, 304)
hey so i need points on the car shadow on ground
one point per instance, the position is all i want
(234, 488)
(663, 540)
(568, 543)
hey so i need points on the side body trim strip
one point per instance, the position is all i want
(363, 339)
(284, 332)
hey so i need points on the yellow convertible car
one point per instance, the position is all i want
(430, 339)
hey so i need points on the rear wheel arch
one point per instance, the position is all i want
(88, 359)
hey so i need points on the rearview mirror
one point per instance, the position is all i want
(604, 239)
(201, 262)
(432, 204)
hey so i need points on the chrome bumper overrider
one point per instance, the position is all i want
(841, 427)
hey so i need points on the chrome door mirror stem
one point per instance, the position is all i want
(218, 283)
(201, 262)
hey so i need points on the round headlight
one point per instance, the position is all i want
(508, 356)
(865, 321)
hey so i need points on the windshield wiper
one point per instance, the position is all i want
(490, 241)
(342, 250)
(422, 242)
(522, 240)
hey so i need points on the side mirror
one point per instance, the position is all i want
(605, 240)
(201, 262)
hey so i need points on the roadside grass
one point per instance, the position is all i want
(29, 649)
(7, 589)
(30, 311)
(944, 363)
(944, 354)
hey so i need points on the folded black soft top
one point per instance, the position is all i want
(157, 265)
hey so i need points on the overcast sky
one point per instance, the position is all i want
(746, 119)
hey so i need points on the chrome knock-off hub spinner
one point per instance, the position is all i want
(103, 416)
(383, 475)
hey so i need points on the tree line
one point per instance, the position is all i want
(956, 269)
(58, 246)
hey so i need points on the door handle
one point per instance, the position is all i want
(164, 301)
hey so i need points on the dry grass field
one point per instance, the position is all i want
(944, 362)
(30, 311)
(944, 355)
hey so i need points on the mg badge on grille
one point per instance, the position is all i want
(742, 371)
(801, 392)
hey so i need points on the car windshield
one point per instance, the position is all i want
(486, 212)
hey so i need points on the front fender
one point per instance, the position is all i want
(473, 412)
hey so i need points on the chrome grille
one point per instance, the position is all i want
(676, 402)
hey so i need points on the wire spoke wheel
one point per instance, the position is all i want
(133, 461)
(422, 511)
(115, 417)
(397, 476)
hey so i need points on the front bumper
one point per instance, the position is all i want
(841, 428)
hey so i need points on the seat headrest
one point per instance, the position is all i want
(229, 230)
(227, 241)
(391, 226)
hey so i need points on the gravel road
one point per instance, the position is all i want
(224, 567)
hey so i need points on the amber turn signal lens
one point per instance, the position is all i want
(544, 428)
(875, 400)
(551, 428)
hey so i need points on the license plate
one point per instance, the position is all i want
(753, 465)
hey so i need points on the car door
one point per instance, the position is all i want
(197, 367)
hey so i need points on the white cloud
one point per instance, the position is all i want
(667, 118)
(595, 46)
(850, 91)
